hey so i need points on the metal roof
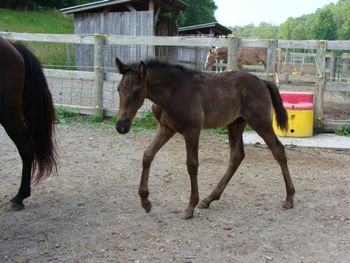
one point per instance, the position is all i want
(106, 5)
(205, 28)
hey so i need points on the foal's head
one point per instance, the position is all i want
(132, 93)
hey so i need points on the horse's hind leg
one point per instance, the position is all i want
(162, 136)
(277, 149)
(17, 132)
(235, 131)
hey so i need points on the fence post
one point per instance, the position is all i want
(232, 53)
(271, 60)
(319, 96)
(345, 66)
(99, 76)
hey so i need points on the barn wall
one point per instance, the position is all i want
(139, 23)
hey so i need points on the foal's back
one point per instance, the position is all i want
(231, 95)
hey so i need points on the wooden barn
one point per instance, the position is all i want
(126, 17)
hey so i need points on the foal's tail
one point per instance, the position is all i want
(38, 115)
(281, 113)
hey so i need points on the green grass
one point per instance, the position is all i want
(142, 122)
(57, 55)
(45, 21)
(343, 130)
(63, 115)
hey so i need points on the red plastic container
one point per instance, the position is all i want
(298, 100)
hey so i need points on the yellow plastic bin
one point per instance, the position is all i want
(300, 110)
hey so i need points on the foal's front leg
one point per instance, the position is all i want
(163, 135)
(192, 139)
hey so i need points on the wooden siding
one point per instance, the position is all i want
(124, 23)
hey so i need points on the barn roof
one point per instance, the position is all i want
(124, 5)
(206, 29)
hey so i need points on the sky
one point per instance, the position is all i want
(243, 12)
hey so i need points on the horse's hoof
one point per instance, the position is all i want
(202, 205)
(147, 205)
(12, 206)
(186, 215)
(287, 205)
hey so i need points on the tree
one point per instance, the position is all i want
(324, 26)
(266, 31)
(341, 15)
(198, 12)
(263, 31)
(345, 30)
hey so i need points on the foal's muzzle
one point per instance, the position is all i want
(123, 126)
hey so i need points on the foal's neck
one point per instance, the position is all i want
(164, 82)
(159, 86)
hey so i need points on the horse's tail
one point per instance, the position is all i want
(281, 113)
(38, 115)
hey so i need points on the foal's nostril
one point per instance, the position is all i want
(120, 128)
(123, 126)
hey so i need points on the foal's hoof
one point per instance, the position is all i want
(202, 205)
(287, 205)
(12, 206)
(186, 215)
(146, 205)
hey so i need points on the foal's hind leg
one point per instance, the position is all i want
(277, 149)
(162, 136)
(235, 131)
(17, 132)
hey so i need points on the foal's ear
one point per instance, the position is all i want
(142, 70)
(122, 68)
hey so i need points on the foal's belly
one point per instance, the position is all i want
(220, 118)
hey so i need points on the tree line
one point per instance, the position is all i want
(331, 22)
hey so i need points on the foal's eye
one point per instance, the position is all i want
(136, 93)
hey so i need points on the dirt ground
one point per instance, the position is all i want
(91, 211)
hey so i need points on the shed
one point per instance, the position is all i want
(125, 17)
(213, 29)
(195, 57)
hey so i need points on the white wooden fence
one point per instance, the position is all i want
(99, 76)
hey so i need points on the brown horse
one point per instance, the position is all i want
(27, 115)
(246, 56)
(185, 101)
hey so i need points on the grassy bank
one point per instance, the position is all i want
(56, 55)
(45, 21)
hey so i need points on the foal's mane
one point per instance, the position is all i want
(153, 63)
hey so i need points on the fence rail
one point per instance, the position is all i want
(100, 76)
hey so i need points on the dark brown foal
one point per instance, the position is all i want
(185, 101)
